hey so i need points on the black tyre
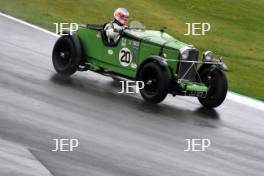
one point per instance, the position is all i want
(156, 81)
(216, 81)
(64, 55)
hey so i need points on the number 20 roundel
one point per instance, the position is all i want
(125, 57)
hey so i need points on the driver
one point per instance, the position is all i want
(114, 29)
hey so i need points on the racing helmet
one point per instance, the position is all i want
(121, 15)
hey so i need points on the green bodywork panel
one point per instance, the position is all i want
(189, 86)
(157, 37)
(140, 43)
(153, 41)
(106, 57)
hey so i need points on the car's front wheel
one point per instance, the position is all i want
(63, 56)
(216, 81)
(156, 82)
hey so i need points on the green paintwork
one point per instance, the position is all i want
(157, 37)
(171, 50)
(141, 43)
(100, 55)
(190, 86)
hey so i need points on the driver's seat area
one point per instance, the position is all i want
(105, 39)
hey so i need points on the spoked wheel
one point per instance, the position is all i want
(63, 56)
(216, 81)
(156, 82)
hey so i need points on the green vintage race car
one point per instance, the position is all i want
(163, 63)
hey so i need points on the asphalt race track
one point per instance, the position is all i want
(119, 135)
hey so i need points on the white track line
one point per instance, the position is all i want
(230, 95)
(245, 100)
(28, 24)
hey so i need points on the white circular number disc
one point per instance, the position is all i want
(125, 57)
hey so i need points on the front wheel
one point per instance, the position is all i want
(216, 81)
(156, 82)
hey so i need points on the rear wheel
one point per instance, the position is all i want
(156, 81)
(216, 81)
(63, 56)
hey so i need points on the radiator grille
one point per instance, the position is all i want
(187, 71)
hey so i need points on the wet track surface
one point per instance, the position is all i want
(119, 135)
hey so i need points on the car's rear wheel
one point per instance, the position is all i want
(63, 56)
(216, 81)
(156, 82)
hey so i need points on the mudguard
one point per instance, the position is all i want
(157, 59)
(221, 66)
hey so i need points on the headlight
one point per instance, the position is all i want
(184, 52)
(208, 56)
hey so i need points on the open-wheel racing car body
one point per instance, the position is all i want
(163, 63)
